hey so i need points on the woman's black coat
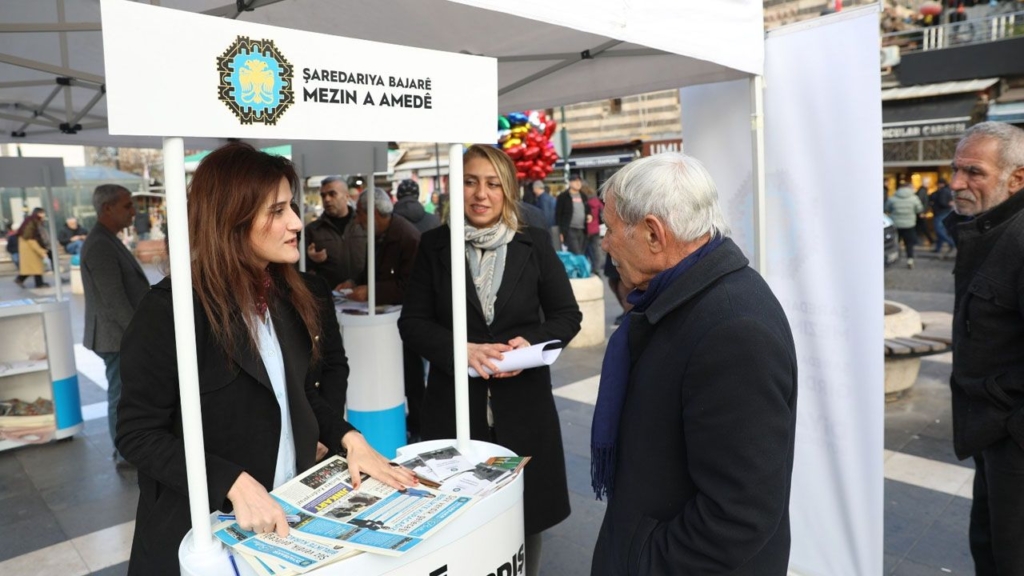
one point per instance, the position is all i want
(535, 301)
(241, 416)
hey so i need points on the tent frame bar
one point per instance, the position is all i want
(585, 55)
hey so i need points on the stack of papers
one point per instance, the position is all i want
(335, 521)
(451, 473)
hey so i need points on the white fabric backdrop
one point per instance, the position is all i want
(823, 163)
(823, 126)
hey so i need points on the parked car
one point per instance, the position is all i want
(891, 242)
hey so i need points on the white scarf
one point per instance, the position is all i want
(486, 249)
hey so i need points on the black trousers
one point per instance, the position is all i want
(997, 514)
(576, 240)
(415, 388)
(909, 237)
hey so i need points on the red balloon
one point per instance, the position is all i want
(531, 153)
(515, 152)
(520, 175)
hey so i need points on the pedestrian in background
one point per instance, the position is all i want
(595, 209)
(988, 339)
(941, 202)
(571, 216)
(903, 207)
(114, 284)
(32, 249)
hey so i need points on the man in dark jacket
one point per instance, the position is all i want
(941, 202)
(988, 338)
(72, 236)
(692, 439)
(335, 251)
(409, 207)
(571, 216)
(397, 241)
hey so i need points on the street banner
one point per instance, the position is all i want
(823, 160)
(716, 131)
(226, 78)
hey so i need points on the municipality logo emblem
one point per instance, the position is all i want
(255, 81)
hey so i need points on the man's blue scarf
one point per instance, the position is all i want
(611, 396)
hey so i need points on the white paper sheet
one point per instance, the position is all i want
(543, 354)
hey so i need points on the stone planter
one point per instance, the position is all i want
(901, 321)
(589, 294)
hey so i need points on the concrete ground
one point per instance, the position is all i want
(66, 511)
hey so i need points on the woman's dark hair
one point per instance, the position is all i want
(229, 188)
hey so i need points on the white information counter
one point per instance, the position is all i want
(486, 539)
(376, 381)
(37, 360)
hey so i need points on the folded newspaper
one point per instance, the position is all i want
(335, 520)
(450, 472)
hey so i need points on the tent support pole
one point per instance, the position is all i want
(371, 243)
(52, 227)
(460, 335)
(760, 207)
(185, 338)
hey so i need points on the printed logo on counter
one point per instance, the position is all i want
(255, 81)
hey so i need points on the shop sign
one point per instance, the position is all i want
(924, 130)
(661, 146)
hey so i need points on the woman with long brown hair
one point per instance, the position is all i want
(260, 326)
(518, 294)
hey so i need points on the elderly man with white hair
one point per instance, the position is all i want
(988, 338)
(692, 439)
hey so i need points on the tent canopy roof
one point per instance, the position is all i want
(549, 53)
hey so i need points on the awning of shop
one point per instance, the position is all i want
(598, 161)
(1012, 112)
(1009, 107)
(940, 89)
(934, 118)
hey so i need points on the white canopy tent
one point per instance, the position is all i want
(548, 53)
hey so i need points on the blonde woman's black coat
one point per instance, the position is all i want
(534, 301)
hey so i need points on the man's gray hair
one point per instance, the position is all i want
(675, 188)
(105, 194)
(334, 178)
(1010, 140)
(381, 201)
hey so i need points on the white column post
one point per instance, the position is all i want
(371, 246)
(460, 337)
(757, 141)
(185, 342)
(52, 226)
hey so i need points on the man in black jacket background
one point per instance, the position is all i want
(988, 338)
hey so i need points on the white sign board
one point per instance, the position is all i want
(224, 78)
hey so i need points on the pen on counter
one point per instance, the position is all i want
(289, 518)
(234, 565)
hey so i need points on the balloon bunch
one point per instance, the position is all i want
(526, 138)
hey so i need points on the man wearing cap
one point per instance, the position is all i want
(335, 250)
(408, 206)
(571, 216)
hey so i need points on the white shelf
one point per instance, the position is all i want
(15, 367)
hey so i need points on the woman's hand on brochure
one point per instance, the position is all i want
(255, 510)
(363, 458)
(321, 451)
(480, 356)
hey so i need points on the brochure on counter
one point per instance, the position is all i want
(332, 520)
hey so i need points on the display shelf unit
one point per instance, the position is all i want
(37, 361)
